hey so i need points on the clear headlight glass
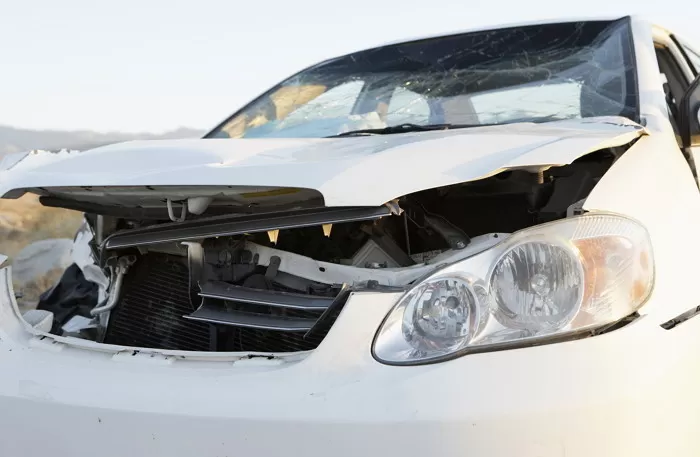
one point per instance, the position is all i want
(551, 280)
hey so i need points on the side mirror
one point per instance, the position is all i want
(690, 115)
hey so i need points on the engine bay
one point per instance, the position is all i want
(275, 281)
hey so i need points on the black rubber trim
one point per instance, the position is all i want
(691, 313)
(238, 225)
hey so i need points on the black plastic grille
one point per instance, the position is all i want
(259, 340)
(155, 297)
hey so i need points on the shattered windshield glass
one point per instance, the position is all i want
(521, 74)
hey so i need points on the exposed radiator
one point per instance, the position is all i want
(155, 296)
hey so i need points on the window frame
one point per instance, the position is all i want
(684, 48)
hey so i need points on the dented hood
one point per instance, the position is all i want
(348, 171)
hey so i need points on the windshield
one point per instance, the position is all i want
(535, 73)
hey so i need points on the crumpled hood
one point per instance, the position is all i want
(350, 171)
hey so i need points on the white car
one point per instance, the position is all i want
(478, 244)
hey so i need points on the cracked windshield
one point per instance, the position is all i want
(520, 74)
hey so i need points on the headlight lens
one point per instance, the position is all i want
(537, 285)
(550, 280)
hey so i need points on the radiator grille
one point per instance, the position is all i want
(155, 296)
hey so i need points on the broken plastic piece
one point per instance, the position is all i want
(39, 319)
(394, 207)
(327, 230)
(78, 323)
(273, 234)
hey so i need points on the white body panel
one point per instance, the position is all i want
(630, 392)
(347, 171)
(626, 393)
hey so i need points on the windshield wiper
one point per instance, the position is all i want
(405, 128)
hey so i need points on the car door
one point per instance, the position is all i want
(689, 106)
(692, 56)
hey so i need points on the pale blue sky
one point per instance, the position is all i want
(137, 65)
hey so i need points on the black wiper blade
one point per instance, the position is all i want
(405, 128)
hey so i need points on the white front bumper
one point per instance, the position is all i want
(631, 392)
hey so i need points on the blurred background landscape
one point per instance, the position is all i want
(25, 221)
(16, 139)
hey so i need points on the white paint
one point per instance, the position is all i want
(652, 101)
(40, 319)
(368, 170)
(338, 400)
(632, 391)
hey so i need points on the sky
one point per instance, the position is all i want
(155, 65)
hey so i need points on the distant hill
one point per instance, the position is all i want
(15, 139)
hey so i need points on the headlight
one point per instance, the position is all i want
(548, 281)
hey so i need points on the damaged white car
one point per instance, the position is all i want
(478, 244)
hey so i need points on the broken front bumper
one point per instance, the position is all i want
(629, 392)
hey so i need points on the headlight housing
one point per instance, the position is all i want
(547, 281)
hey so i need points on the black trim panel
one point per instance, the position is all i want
(224, 291)
(213, 313)
(238, 225)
